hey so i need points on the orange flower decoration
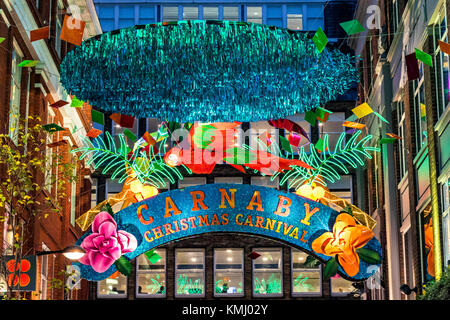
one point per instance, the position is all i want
(428, 235)
(347, 236)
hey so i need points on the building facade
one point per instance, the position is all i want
(407, 193)
(29, 91)
(215, 266)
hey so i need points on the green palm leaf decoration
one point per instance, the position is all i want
(103, 153)
(330, 165)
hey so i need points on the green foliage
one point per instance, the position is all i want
(272, 285)
(369, 256)
(330, 269)
(103, 153)
(187, 286)
(124, 266)
(330, 164)
(438, 290)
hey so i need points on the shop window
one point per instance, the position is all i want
(210, 13)
(333, 127)
(267, 273)
(265, 182)
(113, 287)
(306, 281)
(189, 273)
(190, 13)
(294, 18)
(14, 106)
(151, 276)
(228, 272)
(231, 13)
(340, 286)
(254, 14)
(170, 13)
(237, 180)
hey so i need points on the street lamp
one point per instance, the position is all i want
(71, 252)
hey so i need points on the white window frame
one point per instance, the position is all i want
(140, 272)
(195, 295)
(14, 122)
(242, 270)
(280, 270)
(44, 273)
(304, 294)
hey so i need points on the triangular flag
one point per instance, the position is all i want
(445, 47)
(253, 255)
(380, 117)
(362, 110)
(352, 27)
(310, 116)
(28, 63)
(322, 114)
(352, 118)
(93, 133)
(76, 103)
(38, 34)
(58, 104)
(320, 145)
(320, 39)
(294, 139)
(285, 144)
(424, 57)
(72, 30)
(123, 120)
(52, 127)
(412, 67)
(130, 135)
(394, 136)
(354, 125)
(2, 39)
(98, 117)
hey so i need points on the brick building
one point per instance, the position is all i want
(406, 191)
(29, 91)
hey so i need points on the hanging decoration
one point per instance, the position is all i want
(207, 71)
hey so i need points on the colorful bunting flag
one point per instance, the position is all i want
(98, 117)
(253, 255)
(424, 57)
(2, 39)
(123, 120)
(72, 30)
(380, 117)
(320, 145)
(38, 34)
(28, 63)
(93, 133)
(310, 116)
(76, 103)
(58, 104)
(412, 67)
(285, 144)
(352, 27)
(294, 139)
(445, 47)
(52, 127)
(387, 140)
(130, 135)
(394, 136)
(354, 125)
(362, 110)
(320, 40)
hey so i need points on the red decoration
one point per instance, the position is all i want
(254, 255)
(93, 133)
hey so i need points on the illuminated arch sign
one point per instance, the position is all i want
(240, 208)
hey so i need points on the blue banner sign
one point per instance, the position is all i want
(238, 208)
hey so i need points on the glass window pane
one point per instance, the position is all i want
(230, 13)
(151, 276)
(229, 272)
(333, 127)
(170, 13)
(113, 287)
(305, 280)
(210, 13)
(265, 182)
(254, 14)
(267, 273)
(295, 21)
(341, 286)
(190, 13)
(190, 272)
(191, 181)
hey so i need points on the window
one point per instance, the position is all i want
(445, 205)
(44, 273)
(73, 198)
(228, 272)
(342, 188)
(274, 16)
(401, 133)
(395, 15)
(94, 193)
(305, 280)
(294, 18)
(265, 182)
(59, 23)
(210, 13)
(170, 13)
(442, 73)
(333, 127)
(254, 14)
(126, 16)
(113, 287)
(49, 151)
(14, 106)
(231, 13)
(189, 273)
(267, 273)
(420, 110)
(340, 286)
(190, 13)
(151, 276)
(117, 129)
(191, 181)
(237, 180)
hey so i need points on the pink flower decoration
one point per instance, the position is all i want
(105, 245)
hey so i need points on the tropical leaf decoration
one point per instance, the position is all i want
(121, 162)
(330, 165)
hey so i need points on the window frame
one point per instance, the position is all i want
(113, 296)
(305, 294)
(242, 270)
(140, 272)
(203, 272)
(281, 271)
(15, 82)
